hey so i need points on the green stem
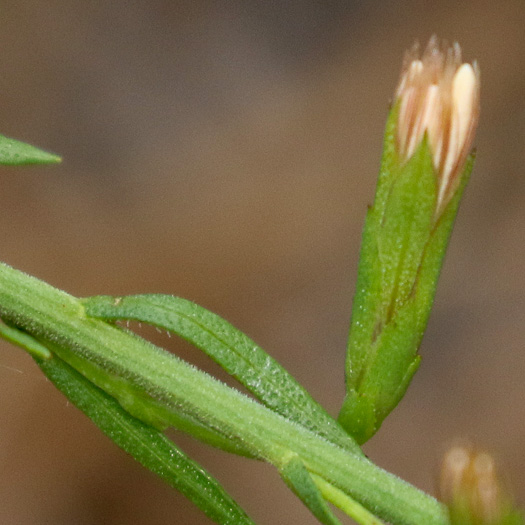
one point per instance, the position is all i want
(348, 505)
(56, 317)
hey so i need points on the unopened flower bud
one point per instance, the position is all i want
(470, 486)
(439, 96)
(424, 169)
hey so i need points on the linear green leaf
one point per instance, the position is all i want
(24, 340)
(15, 153)
(347, 504)
(132, 399)
(149, 410)
(241, 357)
(297, 477)
(147, 445)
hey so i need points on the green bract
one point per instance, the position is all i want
(404, 242)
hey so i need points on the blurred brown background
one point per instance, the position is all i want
(226, 152)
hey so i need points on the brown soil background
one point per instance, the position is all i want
(226, 152)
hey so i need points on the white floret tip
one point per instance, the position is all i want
(439, 96)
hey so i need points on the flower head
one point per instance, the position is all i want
(471, 487)
(439, 96)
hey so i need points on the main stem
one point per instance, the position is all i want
(51, 315)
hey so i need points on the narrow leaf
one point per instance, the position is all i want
(148, 446)
(347, 504)
(262, 375)
(24, 340)
(148, 409)
(15, 153)
(297, 477)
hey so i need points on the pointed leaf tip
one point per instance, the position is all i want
(15, 153)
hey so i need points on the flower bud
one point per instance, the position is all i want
(470, 486)
(424, 169)
(438, 96)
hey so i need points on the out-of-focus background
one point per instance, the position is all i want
(226, 152)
